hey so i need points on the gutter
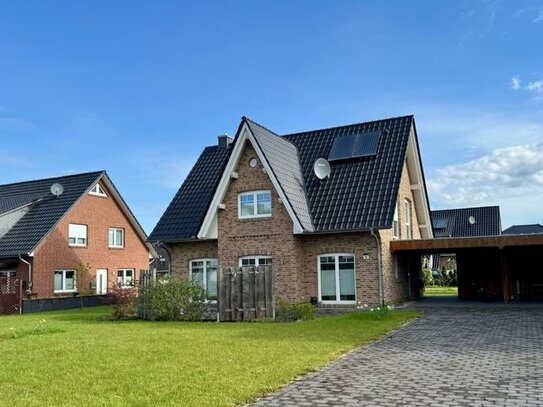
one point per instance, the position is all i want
(379, 268)
(29, 289)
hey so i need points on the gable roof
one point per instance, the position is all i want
(185, 213)
(45, 210)
(531, 229)
(359, 194)
(455, 222)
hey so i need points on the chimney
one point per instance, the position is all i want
(224, 140)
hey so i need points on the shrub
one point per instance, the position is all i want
(450, 278)
(172, 299)
(124, 300)
(427, 276)
(289, 312)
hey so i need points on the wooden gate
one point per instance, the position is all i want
(10, 295)
(245, 293)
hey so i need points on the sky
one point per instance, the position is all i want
(139, 88)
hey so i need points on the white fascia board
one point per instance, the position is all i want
(415, 171)
(209, 227)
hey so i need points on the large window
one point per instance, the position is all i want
(255, 261)
(337, 282)
(254, 204)
(77, 235)
(204, 271)
(7, 282)
(396, 224)
(125, 277)
(116, 237)
(408, 224)
(64, 281)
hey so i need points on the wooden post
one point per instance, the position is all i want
(505, 277)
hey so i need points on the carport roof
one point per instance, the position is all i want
(458, 243)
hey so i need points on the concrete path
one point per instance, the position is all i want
(458, 354)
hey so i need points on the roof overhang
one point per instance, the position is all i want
(459, 243)
(209, 227)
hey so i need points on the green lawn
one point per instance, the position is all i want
(74, 359)
(433, 291)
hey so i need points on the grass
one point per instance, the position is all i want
(433, 291)
(68, 358)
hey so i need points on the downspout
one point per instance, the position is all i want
(379, 268)
(29, 289)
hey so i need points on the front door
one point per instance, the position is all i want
(101, 281)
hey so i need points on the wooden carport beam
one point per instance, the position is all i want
(455, 243)
(505, 277)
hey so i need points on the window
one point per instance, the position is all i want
(408, 226)
(64, 281)
(7, 282)
(204, 271)
(255, 204)
(97, 190)
(77, 235)
(116, 237)
(396, 225)
(125, 278)
(255, 261)
(337, 283)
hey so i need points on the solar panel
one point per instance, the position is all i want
(441, 223)
(354, 145)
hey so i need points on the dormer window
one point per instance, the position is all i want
(254, 204)
(97, 190)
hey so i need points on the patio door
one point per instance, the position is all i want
(337, 280)
(101, 281)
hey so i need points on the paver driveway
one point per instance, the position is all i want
(455, 355)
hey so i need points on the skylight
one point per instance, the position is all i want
(441, 223)
(355, 145)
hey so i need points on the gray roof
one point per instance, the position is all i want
(360, 193)
(44, 213)
(282, 157)
(532, 229)
(455, 222)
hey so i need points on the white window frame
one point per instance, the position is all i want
(9, 275)
(396, 224)
(73, 233)
(98, 190)
(338, 294)
(257, 260)
(122, 280)
(63, 289)
(408, 220)
(114, 245)
(254, 194)
(205, 273)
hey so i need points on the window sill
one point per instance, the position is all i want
(77, 245)
(116, 247)
(64, 292)
(97, 195)
(255, 217)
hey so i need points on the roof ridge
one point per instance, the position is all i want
(464, 208)
(349, 125)
(52, 178)
(245, 118)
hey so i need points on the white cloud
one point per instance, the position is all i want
(536, 86)
(511, 177)
(515, 83)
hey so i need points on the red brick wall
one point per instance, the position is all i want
(99, 214)
(182, 253)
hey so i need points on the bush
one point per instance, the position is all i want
(172, 299)
(289, 312)
(124, 299)
(427, 276)
(450, 278)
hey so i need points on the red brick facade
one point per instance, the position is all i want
(54, 253)
(295, 257)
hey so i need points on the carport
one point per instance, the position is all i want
(507, 267)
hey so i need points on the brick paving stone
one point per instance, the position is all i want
(457, 354)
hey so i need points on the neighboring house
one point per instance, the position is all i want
(256, 200)
(463, 222)
(533, 229)
(51, 227)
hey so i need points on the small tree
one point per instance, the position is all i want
(82, 280)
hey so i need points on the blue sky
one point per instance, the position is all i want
(138, 88)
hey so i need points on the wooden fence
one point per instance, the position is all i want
(245, 293)
(10, 295)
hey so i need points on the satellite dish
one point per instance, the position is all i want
(321, 168)
(472, 220)
(57, 189)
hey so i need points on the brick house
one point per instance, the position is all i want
(50, 227)
(256, 200)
